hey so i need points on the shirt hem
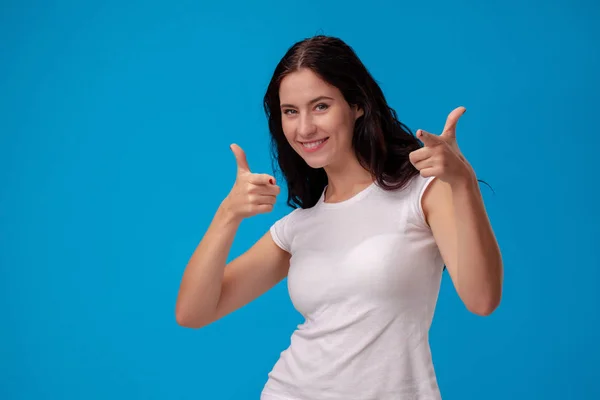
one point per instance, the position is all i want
(268, 395)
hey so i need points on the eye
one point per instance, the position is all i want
(288, 111)
(322, 107)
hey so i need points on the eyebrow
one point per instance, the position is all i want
(310, 102)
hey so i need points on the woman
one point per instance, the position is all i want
(377, 216)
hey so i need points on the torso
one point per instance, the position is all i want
(365, 274)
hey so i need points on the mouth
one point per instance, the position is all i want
(314, 145)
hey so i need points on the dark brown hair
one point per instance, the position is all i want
(381, 142)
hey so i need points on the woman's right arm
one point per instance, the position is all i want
(210, 289)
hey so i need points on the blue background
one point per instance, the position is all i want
(115, 125)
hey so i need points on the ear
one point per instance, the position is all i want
(358, 112)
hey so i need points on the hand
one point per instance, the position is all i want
(251, 193)
(440, 156)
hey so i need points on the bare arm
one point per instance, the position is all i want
(456, 214)
(467, 243)
(250, 275)
(200, 286)
(209, 289)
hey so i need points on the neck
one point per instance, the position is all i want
(345, 180)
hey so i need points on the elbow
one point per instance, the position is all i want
(482, 311)
(187, 319)
(487, 297)
(485, 306)
(187, 323)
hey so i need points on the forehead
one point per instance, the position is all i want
(303, 86)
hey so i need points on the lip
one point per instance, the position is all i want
(312, 150)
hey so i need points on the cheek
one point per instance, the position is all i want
(340, 127)
(288, 130)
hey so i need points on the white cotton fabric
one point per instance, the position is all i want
(365, 273)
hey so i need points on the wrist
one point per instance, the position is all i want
(466, 182)
(226, 215)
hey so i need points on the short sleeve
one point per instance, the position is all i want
(418, 188)
(281, 232)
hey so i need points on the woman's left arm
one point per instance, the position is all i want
(462, 230)
(455, 211)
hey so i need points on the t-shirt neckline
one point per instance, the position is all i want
(357, 197)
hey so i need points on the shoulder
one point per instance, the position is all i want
(283, 230)
(294, 215)
(420, 185)
(413, 197)
(415, 187)
(436, 199)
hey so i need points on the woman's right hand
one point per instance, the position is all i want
(251, 193)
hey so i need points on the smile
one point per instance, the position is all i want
(314, 145)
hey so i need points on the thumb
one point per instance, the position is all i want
(427, 138)
(451, 121)
(240, 158)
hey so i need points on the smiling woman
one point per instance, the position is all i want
(321, 90)
(377, 217)
(320, 129)
(308, 145)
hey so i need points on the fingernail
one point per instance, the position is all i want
(271, 181)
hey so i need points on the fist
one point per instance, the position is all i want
(251, 193)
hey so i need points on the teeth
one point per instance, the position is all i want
(312, 145)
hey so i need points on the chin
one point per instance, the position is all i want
(315, 161)
(315, 164)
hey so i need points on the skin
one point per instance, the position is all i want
(305, 120)
(311, 110)
(452, 205)
(455, 211)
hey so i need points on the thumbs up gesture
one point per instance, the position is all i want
(440, 156)
(251, 193)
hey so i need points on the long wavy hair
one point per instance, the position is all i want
(380, 141)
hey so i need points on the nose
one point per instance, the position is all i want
(306, 127)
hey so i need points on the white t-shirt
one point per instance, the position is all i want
(365, 273)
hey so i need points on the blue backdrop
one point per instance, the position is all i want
(115, 125)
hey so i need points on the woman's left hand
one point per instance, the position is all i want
(440, 156)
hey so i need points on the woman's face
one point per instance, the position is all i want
(316, 119)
